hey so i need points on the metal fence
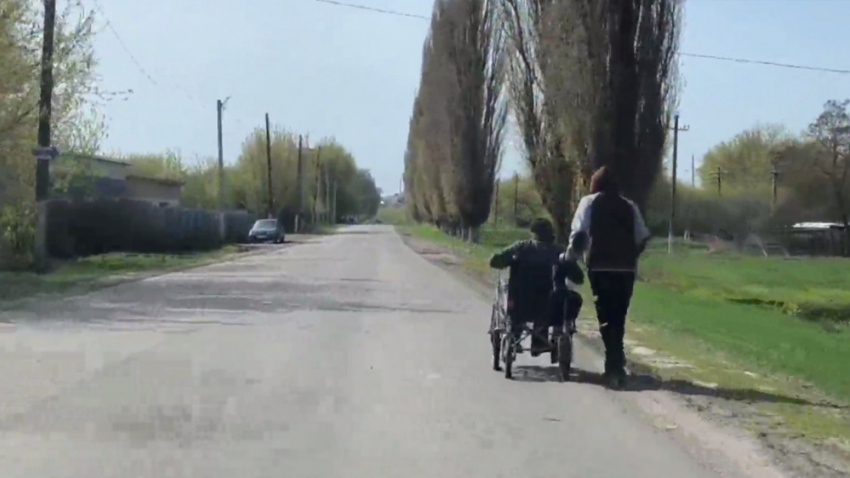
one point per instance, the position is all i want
(82, 228)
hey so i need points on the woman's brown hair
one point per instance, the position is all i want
(603, 181)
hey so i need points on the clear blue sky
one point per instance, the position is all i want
(334, 71)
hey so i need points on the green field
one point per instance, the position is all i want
(780, 316)
(92, 272)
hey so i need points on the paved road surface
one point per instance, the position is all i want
(347, 357)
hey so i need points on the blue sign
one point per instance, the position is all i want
(48, 153)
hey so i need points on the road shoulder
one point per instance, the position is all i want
(700, 415)
(103, 272)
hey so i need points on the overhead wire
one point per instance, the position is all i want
(684, 54)
(144, 71)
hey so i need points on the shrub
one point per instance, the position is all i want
(17, 235)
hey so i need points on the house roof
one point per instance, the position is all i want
(818, 226)
(92, 157)
(163, 181)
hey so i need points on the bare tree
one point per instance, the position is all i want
(544, 142)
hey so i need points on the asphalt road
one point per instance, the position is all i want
(350, 356)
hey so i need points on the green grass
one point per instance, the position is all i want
(767, 339)
(744, 308)
(396, 216)
(812, 289)
(90, 273)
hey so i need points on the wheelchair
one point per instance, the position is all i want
(505, 338)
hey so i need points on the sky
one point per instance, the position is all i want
(328, 70)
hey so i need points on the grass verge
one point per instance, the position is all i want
(719, 330)
(90, 273)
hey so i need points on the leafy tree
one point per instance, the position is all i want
(76, 125)
(831, 132)
(746, 161)
(468, 43)
(622, 83)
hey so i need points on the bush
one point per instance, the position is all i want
(17, 236)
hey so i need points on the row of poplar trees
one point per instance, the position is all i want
(584, 83)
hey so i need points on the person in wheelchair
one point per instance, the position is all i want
(532, 262)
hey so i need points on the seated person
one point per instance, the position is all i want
(533, 260)
(567, 276)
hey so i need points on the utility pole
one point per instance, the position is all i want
(222, 226)
(775, 175)
(42, 176)
(516, 195)
(693, 173)
(44, 153)
(219, 109)
(690, 212)
(299, 184)
(269, 166)
(496, 204)
(670, 230)
(718, 175)
(318, 185)
(328, 194)
(333, 204)
(719, 181)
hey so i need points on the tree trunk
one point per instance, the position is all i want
(473, 234)
(561, 226)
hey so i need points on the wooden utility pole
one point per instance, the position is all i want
(42, 177)
(674, 180)
(299, 184)
(775, 180)
(269, 166)
(328, 194)
(516, 196)
(693, 173)
(219, 109)
(44, 153)
(334, 204)
(718, 175)
(496, 204)
(316, 195)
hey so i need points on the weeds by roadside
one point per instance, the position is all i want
(89, 273)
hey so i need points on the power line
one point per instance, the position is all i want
(135, 60)
(124, 45)
(373, 9)
(767, 63)
(692, 55)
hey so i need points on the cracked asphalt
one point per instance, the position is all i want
(348, 356)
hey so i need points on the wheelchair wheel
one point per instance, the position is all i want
(565, 356)
(553, 353)
(496, 343)
(509, 354)
(496, 338)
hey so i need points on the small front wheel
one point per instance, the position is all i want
(565, 356)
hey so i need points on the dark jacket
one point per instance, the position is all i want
(616, 228)
(532, 263)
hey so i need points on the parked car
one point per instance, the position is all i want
(267, 230)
